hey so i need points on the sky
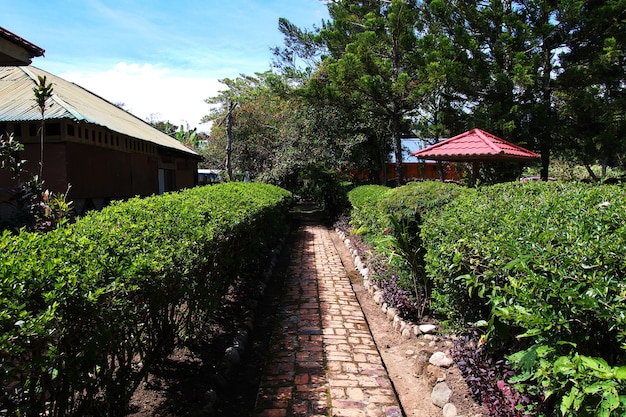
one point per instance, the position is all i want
(160, 58)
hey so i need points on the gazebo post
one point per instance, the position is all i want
(475, 171)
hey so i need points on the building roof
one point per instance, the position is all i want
(476, 145)
(409, 147)
(70, 101)
(15, 50)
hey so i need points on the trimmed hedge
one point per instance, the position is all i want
(391, 219)
(540, 266)
(544, 265)
(365, 214)
(85, 310)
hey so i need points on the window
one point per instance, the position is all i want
(53, 129)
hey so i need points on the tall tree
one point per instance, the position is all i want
(372, 61)
(592, 87)
(277, 134)
(513, 48)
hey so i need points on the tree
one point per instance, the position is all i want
(164, 126)
(301, 53)
(592, 86)
(42, 93)
(372, 62)
(10, 155)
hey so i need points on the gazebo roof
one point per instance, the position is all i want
(476, 145)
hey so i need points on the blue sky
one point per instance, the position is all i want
(161, 58)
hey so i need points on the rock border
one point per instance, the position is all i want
(432, 364)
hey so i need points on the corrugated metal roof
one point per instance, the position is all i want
(409, 147)
(71, 101)
(475, 145)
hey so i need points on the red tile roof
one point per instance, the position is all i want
(476, 145)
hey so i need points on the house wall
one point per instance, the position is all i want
(99, 164)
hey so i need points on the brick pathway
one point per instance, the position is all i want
(322, 360)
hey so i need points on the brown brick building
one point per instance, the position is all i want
(104, 152)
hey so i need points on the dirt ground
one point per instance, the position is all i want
(198, 381)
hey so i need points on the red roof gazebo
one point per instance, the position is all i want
(476, 146)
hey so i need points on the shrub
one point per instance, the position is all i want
(543, 264)
(365, 215)
(391, 220)
(85, 310)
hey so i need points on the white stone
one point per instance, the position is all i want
(441, 360)
(391, 313)
(441, 394)
(402, 325)
(378, 297)
(449, 410)
(210, 396)
(406, 333)
(427, 328)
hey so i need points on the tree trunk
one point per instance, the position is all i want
(397, 149)
(592, 174)
(229, 145)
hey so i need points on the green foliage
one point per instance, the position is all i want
(374, 61)
(9, 155)
(406, 206)
(391, 219)
(277, 136)
(36, 209)
(87, 309)
(365, 216)
(543, 264)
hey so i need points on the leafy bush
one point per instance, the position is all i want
(487, 377)
(86, 310)
(543, 264)
(365, 215)
(392, 219)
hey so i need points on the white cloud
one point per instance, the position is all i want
(145, 90)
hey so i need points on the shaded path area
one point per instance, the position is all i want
(322, 358)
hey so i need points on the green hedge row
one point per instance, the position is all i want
(541, 265)
(85, 310)
(544, 264)
(365, 213)
(390, 219)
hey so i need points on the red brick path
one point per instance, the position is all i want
(323, 360)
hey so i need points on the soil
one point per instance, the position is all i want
(196, 380)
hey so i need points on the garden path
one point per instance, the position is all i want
(323, 359)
